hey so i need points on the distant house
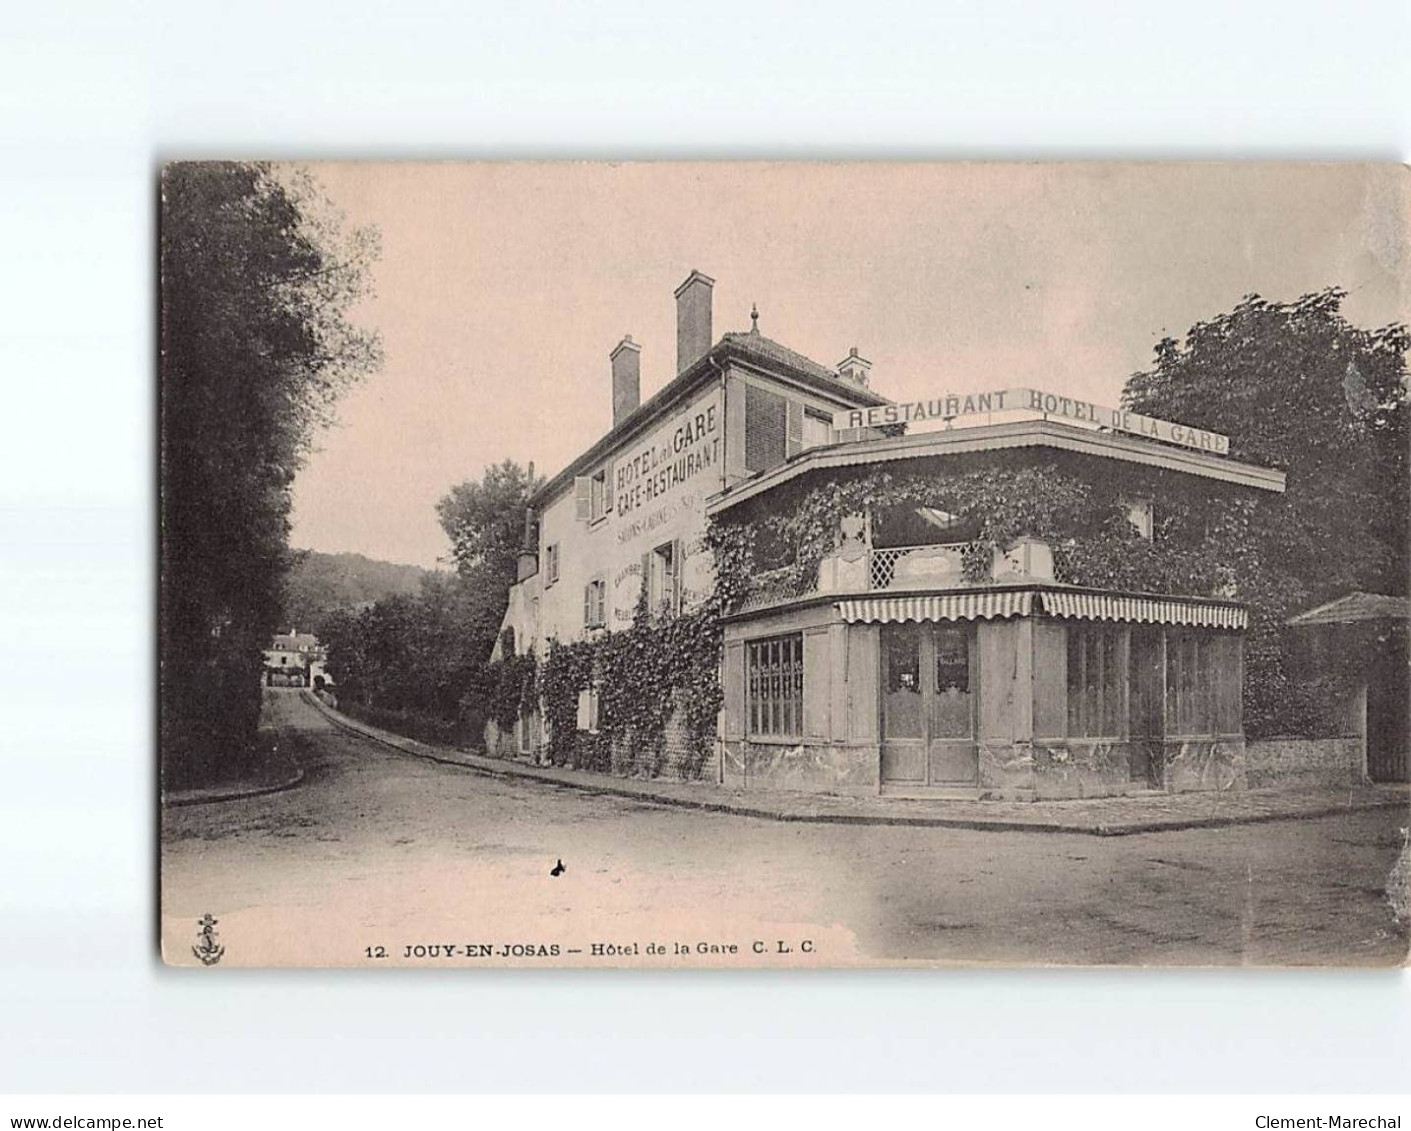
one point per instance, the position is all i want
(296, 659)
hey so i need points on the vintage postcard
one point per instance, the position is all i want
(783, 565)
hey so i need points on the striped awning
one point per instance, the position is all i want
(1020, 602)
(1144, 610)
(937, 607)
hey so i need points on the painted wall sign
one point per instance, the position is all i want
(673, 457)
(1050, 404)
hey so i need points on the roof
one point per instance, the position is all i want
(996, 437)
(295, 640)
(750, 347)
(1355, 607)
(755, 345)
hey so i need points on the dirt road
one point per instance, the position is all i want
(382, 850)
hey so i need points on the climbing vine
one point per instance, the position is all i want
(1085, 523)
(662, 666)
(511, 683)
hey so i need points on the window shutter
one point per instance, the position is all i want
(674, 585)
(793, 442)
(765, 428)
(587, 605)
(583, 498)
(647, 580)
(607, 488)
(734, 687)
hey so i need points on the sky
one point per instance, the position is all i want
(502, 288)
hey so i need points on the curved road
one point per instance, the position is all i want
(380, 849)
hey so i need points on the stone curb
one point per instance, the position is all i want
(499, 769)
(234, 793)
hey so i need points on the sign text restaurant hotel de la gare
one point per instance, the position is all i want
(1049, 404)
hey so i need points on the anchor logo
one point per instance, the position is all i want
(208, 950)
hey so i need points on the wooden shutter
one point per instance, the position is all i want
(673, 583)
(607, 487)
(647, 579)
(588, 605)
(582, 498)
(817, 683)
(765, 427)
(733, 680)
(793, 440)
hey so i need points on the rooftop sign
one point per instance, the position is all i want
(1049, 405)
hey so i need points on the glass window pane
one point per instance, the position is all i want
(1117, 698)
(902, 694)
(950, 714)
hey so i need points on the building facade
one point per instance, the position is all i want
(906, 668)
(624, 522)
(295, 659)
(894, 663)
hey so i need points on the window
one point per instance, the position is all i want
(598, 496)
(595, 603)
(1141, 513)
(551, 562)
(817, 428)
(1202, 683)
(1096, 682)
(588, 702)
(774, 686)
(663, 575)
(528, 730)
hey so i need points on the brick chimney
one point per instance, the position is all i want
(855, 367)
(693, 336)
(528, 562)
(626, 360)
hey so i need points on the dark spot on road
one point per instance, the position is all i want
(1184, 865)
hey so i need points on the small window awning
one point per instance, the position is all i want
(1144, 610)
(937, 607)
(990, 604)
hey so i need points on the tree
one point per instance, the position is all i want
(1299, 388)
(485, 522)
(257, 276)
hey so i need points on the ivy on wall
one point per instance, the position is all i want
(661, 666)
(512, 684)
(1085, 522)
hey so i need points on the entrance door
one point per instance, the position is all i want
(928, 717)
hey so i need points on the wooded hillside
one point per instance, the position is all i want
(323, 583)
